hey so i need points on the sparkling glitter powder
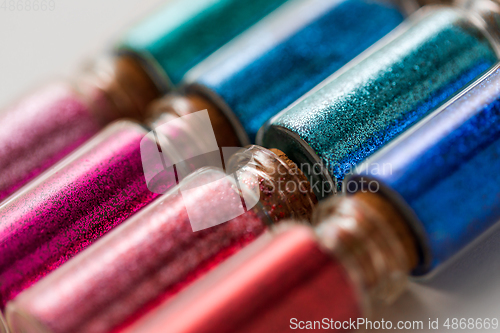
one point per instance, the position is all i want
(278, 277)
(146, 260)
(70, 206)
(156, 253)
(373, 101)
(39, 131)
(444, 174)
(185, 32)
(287, 54)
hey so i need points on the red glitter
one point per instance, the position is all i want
(276, 278)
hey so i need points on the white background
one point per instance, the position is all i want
(36, 47)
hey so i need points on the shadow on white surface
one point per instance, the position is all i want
(466, 287)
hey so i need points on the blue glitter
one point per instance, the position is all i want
(280, 70)
(356, 113)
(444, 174)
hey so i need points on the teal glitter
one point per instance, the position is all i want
(444, 175)
(185, 32)
(373, 101)
(282, 68)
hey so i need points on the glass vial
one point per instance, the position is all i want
(47, 125)
(167, 246)
(443, 175)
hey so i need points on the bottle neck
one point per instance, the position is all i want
(371, 238)
(174, 106)
(284, 190)
(118, 87)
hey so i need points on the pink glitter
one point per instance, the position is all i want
(40, 130)
(72, 205)
(142, 263)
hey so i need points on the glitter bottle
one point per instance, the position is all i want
(156, 253)
(70, 206)
(360, 251)
(382, 93)
(442, 174)
(285, 55)
(52, 191)
(44, 127)
(438, 193)
(99, 186)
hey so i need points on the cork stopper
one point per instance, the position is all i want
(176, 105)
(119, 86)
(284, 190)
(395, 221)
(372, 239)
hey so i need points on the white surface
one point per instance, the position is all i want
(466, 287)
(39, 46)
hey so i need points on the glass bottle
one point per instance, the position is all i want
(167, 246)
(410, 208)
(443, 174)
(44, 127)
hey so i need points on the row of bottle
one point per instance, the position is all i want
(440, 194)
(359, 109)
(361, 248)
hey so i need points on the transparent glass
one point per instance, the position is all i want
(208, 217)
(373, 241)
(146, 260)
(486, 14)
(47, 125)
(71, 205)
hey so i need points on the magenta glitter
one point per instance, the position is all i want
(144, 261)
(39, 131)
(70, 206)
